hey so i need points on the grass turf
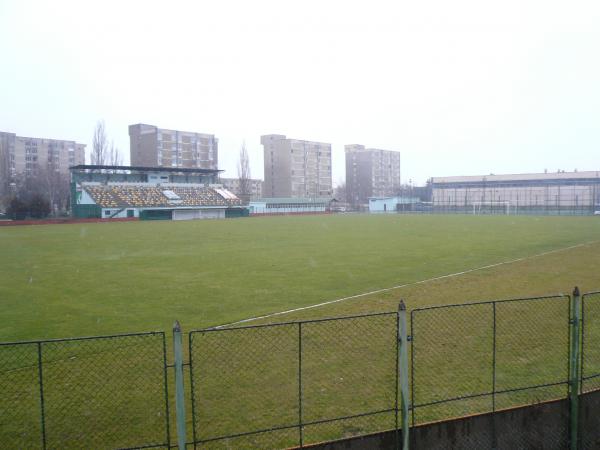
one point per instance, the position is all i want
(73, 280)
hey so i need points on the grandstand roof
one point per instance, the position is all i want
(145, 169)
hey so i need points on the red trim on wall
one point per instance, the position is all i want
(8, 223)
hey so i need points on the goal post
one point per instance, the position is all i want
(499, 207)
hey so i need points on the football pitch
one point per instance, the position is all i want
(92, 279)
(97, 279)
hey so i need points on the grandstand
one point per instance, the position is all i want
(150, 193)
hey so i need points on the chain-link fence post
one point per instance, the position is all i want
(179, 392)
(574, 368)
(403, 371)
(42, 408)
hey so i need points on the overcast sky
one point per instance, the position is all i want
(458, 87)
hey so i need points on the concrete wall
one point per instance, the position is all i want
(121, 213)
(192, 214)
(540, 426)
(590, 420)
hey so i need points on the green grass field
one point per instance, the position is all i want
(91, 279)
(95, 279)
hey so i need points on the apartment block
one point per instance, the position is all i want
(370, 172)
(151, 146)
(26, 156)
(296, 168)
(233, 185)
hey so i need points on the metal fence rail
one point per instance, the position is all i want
(482, 357)
(297, 383)
(76, 393)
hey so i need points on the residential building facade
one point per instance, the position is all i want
(296, 168)
(26, 156)
(370, 172)
(233, 185)
(150, 146)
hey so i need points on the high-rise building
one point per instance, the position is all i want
(150, 146)
(296, 168)
(370, 172)
(26, 156)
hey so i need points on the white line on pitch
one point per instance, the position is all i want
(489, 266)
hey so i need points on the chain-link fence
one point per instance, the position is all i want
(103, 392)
(482, 357)
(300, 383)
(293, 384)
(590, 369)
(590, 354)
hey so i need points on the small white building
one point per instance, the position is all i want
(391, 204)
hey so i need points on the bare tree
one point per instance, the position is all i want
(244, 175)
(99, 154)
(50, 183)
(339, 192)
(114, 156)
(5, 173)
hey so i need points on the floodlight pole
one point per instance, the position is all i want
(403, 373)
(179, 392)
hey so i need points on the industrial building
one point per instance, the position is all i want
(150, 146)
(296, 168)
(532, 193)
(370, 172)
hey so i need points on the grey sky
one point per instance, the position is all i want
(461, 87)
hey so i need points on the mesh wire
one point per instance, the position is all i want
(452, 359)
(590, 372)
(477, 358)
(20, 414)
(245, 381)
(590, 363)
(349, 369)
(532, 349)
(284, 385)
(106, 392)
(302, 379)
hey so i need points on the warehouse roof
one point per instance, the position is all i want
(518, 177)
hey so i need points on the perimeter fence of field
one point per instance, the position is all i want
(296, 384)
